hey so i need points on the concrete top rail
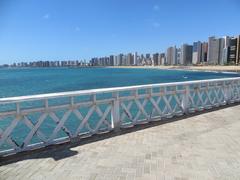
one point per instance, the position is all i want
(105, 90)
(74, 119)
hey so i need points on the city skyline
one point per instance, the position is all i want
(81, 30)
(216, 51)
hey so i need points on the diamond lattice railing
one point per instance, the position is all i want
(37, 121)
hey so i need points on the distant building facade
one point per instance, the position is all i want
(197, 52)
(171, 55)
(217, 51)
(156, 59)
(232, 54)
(238, 51)
(111, 59)
(213, 50)
(186, 54)
(222, 52)
(225, 50)
(204, 54)
(163, 59)
(178, 55)
(136, 59)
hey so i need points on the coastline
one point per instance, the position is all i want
(208, 68)
(186, 68)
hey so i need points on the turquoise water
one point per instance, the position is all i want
(18, 82)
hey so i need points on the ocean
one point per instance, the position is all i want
(19, 82)
(30, 81)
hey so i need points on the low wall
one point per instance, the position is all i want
(31, 122)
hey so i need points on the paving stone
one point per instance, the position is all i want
(205, 146)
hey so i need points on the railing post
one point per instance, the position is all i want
(238, 90)
(185, 100)
(227, 94)
(18, 110)
(115, 115)
(72, 102)
(46, 106)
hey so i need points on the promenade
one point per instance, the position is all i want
(202, 146)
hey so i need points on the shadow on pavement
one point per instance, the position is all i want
(61, 151)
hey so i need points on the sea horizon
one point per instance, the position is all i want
(32, 81)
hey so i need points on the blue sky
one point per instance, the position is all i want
(78, 29)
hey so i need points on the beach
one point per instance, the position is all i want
(197, 68)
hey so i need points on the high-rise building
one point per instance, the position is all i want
(148, 59)
(224, 49)
(130, 59)
(178, 55)
(232, 53)
(186, 54)
(162, 59)
(197, 52)
(136, 59)
(221, 51)
(148, 56)
(204, 52)
(142, 60)
(111, 59)
(120, 60)
(101, 61)
(115, 61)
(171, 55)
(213, 50)
(124, 60)
(156, 59)
(238, 50)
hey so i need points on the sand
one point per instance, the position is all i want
(199, 68)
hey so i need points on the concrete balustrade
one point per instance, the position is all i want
(31, 122)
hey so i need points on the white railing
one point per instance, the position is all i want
(30, 122)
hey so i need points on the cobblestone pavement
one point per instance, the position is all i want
(205, 146)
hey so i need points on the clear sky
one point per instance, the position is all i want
(78, 29)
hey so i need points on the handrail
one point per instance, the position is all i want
(79, 118)
(104, 90)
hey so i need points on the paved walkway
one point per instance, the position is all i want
(205, 146)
